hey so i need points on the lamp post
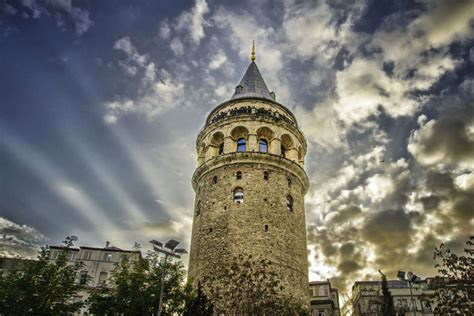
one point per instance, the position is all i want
(168, 249)
(410, 277)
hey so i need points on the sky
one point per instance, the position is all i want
(101, 103)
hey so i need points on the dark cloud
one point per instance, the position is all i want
(19, 240)
(388, 229)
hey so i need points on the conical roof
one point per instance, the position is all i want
(252, 85)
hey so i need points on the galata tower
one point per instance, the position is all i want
(250, 185)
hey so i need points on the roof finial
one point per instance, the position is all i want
(253, 57)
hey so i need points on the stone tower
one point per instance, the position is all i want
(250, 185)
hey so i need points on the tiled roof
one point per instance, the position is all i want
(252, 85)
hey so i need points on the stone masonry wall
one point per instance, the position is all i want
(223, 228)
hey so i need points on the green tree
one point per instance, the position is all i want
(41, 287)
(250, 286)
(198, 304)
(134, 288)
(388, 309)
(455, 281)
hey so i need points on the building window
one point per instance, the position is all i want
(283, 151)
(265, 176)
(241, 144)
(214, 180)
(238, 175)
(266, 228)
(238, 195)
(263, 145)
(55, 254)
(87, 255)
(107, 257)
(72, 255)
(198, 208)
(289, 182)
(221, 149)
(83, 278)
(289, 203)
(102, 278)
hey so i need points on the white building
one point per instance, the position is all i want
(98, 264)
(324, 299)
(367, 297)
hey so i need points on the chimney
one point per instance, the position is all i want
(107, 243)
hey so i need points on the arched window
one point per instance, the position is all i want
(265, 175)
(238, 175)
(283, 151)
(263, 145)
(241, 144)
(289, 203)
(214, 180)
(238, 195)
(221, 149)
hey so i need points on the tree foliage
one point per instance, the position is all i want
(41, 287)
(455, 281)
(134, 288)
(388, 309)
(198, 304)
(250, 286)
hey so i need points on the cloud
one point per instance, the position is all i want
(448, 140)
(217, 60)
(62, 11)
(165, 29)
(193, 22)
(19, 240)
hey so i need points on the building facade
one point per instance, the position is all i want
(367, 297)
(250, 185)
(98, 265)
(324, 299)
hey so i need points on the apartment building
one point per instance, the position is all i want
(324, 299)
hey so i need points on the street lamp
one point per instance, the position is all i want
(410, 277)
(168, 249)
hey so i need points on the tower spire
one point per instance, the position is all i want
(252, 56)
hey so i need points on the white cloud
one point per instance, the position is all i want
(59, 10)
(22, 240)
(177, 46)
(193, 21)
(217, 60)
(165, 29)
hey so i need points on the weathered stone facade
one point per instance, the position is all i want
(269, 221)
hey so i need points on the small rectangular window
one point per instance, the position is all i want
(55, 254)
(102, 278)
(108, 257)
(87, 255)
(83, 278)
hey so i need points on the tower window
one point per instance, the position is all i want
(265, 176)
(241, 144)
(214, 180)
(198, 208)
(238, 175)
(283, 151)
(263, 145)
(289, 203)
(221, 149)
(238, 195)
(266, 228)
(289, 182)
